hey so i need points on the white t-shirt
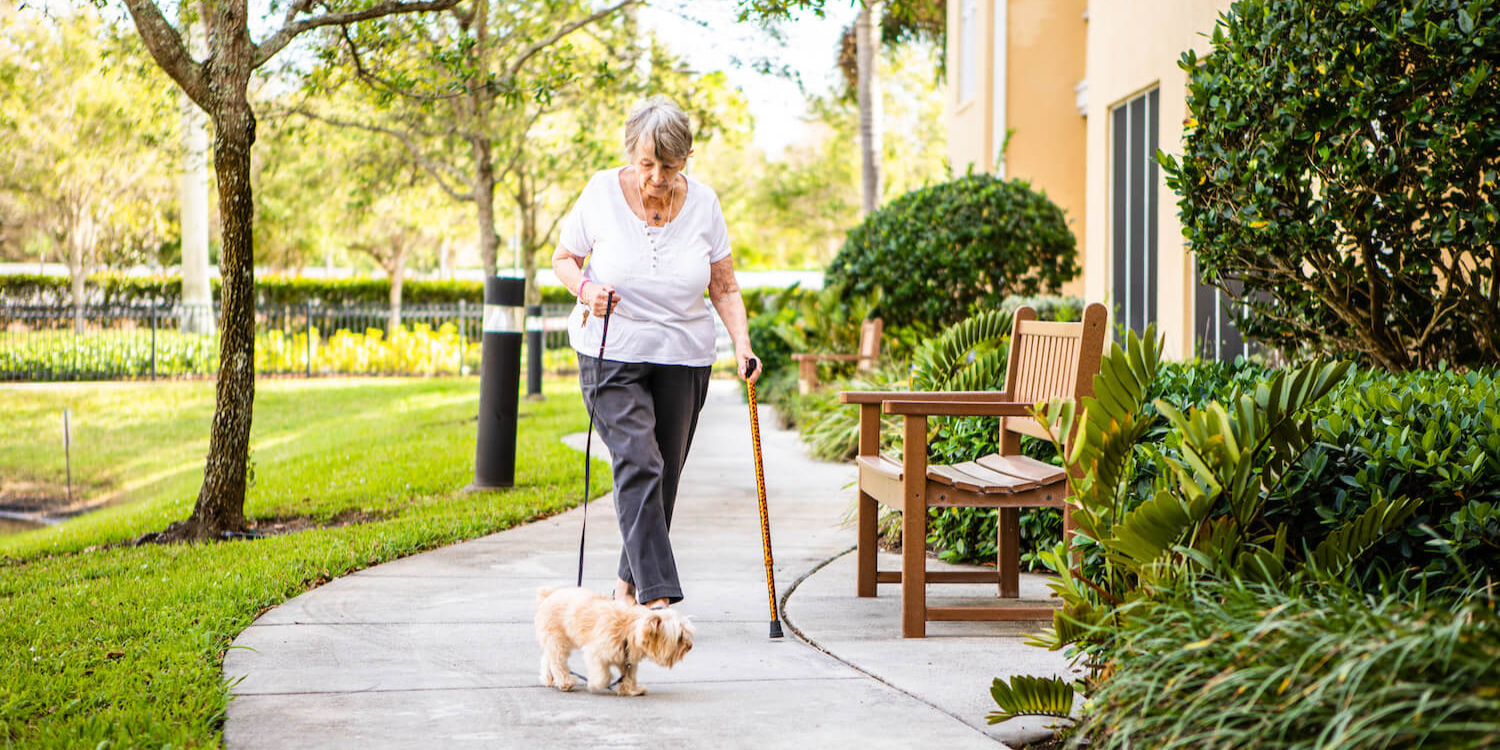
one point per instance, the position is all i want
(662, 316)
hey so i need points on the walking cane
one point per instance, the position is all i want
(760, 488)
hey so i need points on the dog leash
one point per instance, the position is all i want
(588, 448)
(588, 443)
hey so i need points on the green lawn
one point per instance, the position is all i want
(123, 646)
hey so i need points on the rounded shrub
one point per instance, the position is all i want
(1342, 162)
(945, 251)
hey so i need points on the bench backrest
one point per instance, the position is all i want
(1050, 360)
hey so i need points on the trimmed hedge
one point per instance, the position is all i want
(111, 289)
(412, 350)
(1429, 434)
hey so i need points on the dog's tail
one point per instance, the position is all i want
(543, 593)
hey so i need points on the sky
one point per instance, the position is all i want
(776, 103)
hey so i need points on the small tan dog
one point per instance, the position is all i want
(611, 634)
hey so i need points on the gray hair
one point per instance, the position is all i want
(664, 124)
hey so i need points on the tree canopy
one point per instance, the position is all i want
(1352, 186)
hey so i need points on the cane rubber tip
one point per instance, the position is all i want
(776, 629)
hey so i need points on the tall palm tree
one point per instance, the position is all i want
(867, 41)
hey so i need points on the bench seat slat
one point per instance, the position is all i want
(883, 466)
(973, 477)
(1023, 467)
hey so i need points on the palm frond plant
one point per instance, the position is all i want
(1202, 514)
(968, 356)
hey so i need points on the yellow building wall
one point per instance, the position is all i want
(1045, 43)
(1044, 61)
(1134, 46)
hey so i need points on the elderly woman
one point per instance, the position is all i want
(653, 240)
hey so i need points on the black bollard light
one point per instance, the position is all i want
(534, 352)
(499, 384)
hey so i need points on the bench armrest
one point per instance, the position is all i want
(958, 408)
(828, 357)
(879, 397)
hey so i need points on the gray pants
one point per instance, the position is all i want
(646, 414)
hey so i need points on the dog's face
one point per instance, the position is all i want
(664, 635)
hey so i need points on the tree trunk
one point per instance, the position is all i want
(221, 501)
(396, 270)
(484, 201)
(77, 267)
(867, 41)
(527, 246)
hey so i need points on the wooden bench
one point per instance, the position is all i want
(1047, 361)
(869, 353)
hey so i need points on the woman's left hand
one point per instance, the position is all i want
(744, 356)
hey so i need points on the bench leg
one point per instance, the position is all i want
(914, 572)
(1008, 559)
(869, 513)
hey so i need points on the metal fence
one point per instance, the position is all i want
(149, 341)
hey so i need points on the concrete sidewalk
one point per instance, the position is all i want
(437, 650)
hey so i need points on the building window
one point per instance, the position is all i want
(1215, 315)
(968, 50)
(1133, 210)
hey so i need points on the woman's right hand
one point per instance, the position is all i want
(598, 298)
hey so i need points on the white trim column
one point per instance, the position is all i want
(1001, 12)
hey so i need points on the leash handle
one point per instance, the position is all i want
(760, 490)
(588, 442)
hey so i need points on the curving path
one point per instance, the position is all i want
(437, 651)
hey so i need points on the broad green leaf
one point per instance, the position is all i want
(1031, 696)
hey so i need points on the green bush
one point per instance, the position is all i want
(774, 311)
(1255, 667)
(1428, 434)
(944, 252)
(1047, 306)
(1343, 169)
(795, 320)
(1434, 435)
